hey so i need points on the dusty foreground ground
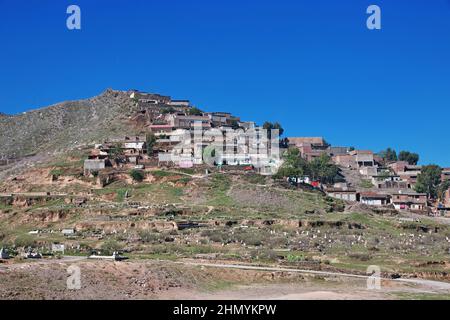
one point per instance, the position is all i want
(169, 280)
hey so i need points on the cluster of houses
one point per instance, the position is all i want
(165, 115)
(391, 183)
(128, 152)
(173, 124)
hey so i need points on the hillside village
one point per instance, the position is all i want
(365, 176)
(169, 184)
(380, 182)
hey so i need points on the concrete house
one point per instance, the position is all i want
(180, 121)
(247, 125)
(409, 200)
(179, 103)
(338, 151)
(363, 158)
(374, 199)
(222, 119)
(161, 129)
(94, 165)
(365, 162)
(347, 194)
(149, 98)
(447, 198)
(368, 171)
(134, 146)
(68, 231)
(345, 160)
(445, 174)
(219, 119)
(300, 141)
(406, 172)
(134, 149)
(398, 166)
(309, 147)
(390, 184)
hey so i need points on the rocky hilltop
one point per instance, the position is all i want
(65, 125)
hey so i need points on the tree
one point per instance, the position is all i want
(115, 151)
(111, 246)
(443, 187)
(278, 126)
(168, 110)
(269, 126)
(137, 175)
(234, 124)
(284, 143)
(293, 165)
(388, 155)
(194, 111)
(323, 169)
(428, 180)
(150, 141)
(320, 168)
(411, 158)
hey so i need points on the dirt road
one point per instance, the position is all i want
(165, 279)
(431, 284)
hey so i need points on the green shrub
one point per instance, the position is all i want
(295, 258)
(268, 255)
(110, 246)
(250, 239)
(137, 175)
(367, 184)
(160, 173)
(185, 179)
(149, 237)
(56, 172)
(24, 241)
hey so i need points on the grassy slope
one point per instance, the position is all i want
(347, 241)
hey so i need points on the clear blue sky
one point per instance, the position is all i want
(311, 65)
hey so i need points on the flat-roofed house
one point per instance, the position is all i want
(222, 119)
(179, 103)
(300, 141)
(347, 194)
(309, 152)
(247, 125)
(94, 165)
(219, 119)
(309, 147)
(445, 174)
(347, 160)
(335, 151)
(161, 129)
(374, 199)
(368, 171)
(398, 166)
(407, 172)
(447, 198)
(389, 182)
(180, 121)
(409, 200)
(363, 158)
(149, 98)
(134, 145)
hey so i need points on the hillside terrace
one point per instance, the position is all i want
(169, 119)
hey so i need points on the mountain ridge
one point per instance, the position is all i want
(66, 124)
